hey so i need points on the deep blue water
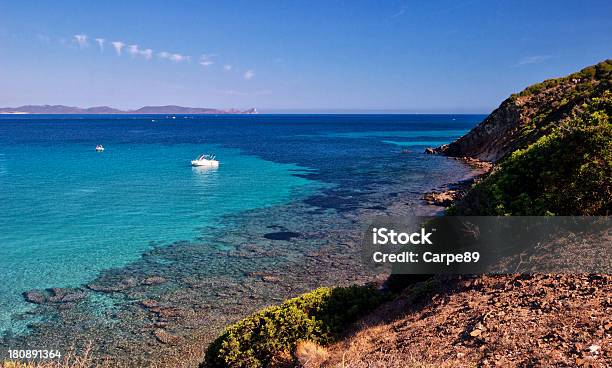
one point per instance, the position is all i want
(67, 212)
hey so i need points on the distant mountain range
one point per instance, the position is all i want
(168, 109)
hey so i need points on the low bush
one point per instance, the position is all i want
(271, 335)
(566, 172)
(601, 71)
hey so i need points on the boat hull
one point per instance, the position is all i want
(205, 163)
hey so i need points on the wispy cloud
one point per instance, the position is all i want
(133, 50)
(147, 53)
(118, 45)
(100, 42)
(177, 58)
(249, 74)
(81, 40)
(400, 12)
(534, 59)
(206, 60)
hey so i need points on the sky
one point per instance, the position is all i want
(461, 56)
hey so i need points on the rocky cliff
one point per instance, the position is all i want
(552, 144)
(552, 148)
(524, 117)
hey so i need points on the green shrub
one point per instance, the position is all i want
(318, 316)
(565, 172)
(601, 72)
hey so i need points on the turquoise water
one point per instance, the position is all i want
(69, 212)
(414, 138)
(70, 215)
(446, 134)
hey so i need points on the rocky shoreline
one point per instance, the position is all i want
(167, 314)
(528, 317)
(454, 191)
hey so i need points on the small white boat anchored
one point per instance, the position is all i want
(99, 148)
(205, 161)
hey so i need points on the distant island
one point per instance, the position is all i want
(167, 109)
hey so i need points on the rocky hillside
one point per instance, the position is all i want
(552, 151)
(443, 322)
(524, 117)
(485, 321)
(552, 145)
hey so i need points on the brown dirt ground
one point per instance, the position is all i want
(487, 321)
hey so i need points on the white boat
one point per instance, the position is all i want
(99, 148)
(205, 161)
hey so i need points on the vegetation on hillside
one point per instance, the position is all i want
(564, 166)
(598, 72)
(270, 336)
(554, 101)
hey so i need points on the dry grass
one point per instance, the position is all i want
(400, 362)
(188, 354)
(488, 321)
(310, 354)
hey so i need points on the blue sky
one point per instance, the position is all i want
(414, 56)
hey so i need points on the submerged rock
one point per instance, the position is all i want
(153, 280)
(54, 296)
(165, 337)
(264, 276)
(62, 295)
(270, 278)
(149, 303)
(113, 287)
(34, 296)
(282, 235)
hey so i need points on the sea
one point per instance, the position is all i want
(287, 185)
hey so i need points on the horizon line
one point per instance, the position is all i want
(350, 112)
(286, 111)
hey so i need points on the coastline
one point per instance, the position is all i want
(323, 259)
(454, 191)
(550, 162)
(379, 281)
(168, 324)
(200, 184)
